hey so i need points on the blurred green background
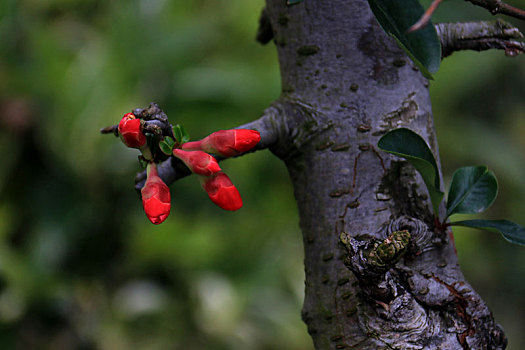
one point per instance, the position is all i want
(80, 265)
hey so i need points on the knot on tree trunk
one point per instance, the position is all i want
(302, 123)
(404, 303)
(402, 321)
(402, 324)
(422, 239)
(371, 260)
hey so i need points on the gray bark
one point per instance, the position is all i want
(480, 36)
(344, 84)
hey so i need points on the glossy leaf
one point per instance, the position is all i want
(177, 132)
(166, 145)
(473, 190)
(185, 136)
(511, 231)
(423, 46)
(293, 2)
(407, 144)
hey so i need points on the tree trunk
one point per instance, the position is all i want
(344, 84)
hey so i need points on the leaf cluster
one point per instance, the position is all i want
(473, 188)
(168, 143)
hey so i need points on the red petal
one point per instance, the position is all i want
(222, 192)
(156, 188)
(226, 143)
(130, 130)
(221, 142)
(156, 198)
(199, 162)
(228, 198)
(246, 139)
(157, 211)
(192, 146)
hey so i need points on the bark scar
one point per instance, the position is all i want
(365, 148)
(461, 309)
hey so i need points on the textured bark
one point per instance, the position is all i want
(344, 84)
(480, 36)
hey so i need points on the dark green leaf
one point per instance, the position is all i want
(473, 189)
(181, 135)
(185, 136)
(511, 231)
(423, 46)
(177, 132)
(169, 141)
(292, 2)
(405, 143)
(166, 145)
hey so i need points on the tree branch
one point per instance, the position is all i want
(480, 36)
(268, 126)
(498, 6)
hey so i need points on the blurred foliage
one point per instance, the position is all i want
(80, 265)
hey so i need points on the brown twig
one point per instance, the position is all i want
(113, 129)
(426, 17)
(498, 6)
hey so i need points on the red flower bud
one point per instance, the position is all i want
(226, 142)
(155, 197)
(222, 192)
(130, 130)
(199, 162)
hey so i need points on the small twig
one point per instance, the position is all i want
(480, 36)
(498, 6)
(113, 129)
(426, 17)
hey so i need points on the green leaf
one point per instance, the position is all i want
(293, 2)
(423, 46)
(185, 136)
(473, 189)
(181, 135)
(511, 231)
(166, 145)
(407, 144)
(177, 132)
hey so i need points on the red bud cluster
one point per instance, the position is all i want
(195, 155)
(226, 143)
